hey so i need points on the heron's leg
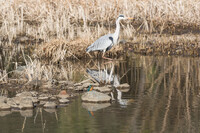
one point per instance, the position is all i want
(89, 55)
(105, 57)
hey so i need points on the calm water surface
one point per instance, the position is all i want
(163, 97)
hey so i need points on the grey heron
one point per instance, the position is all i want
(106, 42)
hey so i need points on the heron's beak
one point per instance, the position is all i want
(129, 18)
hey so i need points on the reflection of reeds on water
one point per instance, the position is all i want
(165, 92)
(167, 89)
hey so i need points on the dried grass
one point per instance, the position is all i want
(57, 50)
(67, 27)
(68, 19)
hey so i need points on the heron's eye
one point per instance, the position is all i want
(121, 16)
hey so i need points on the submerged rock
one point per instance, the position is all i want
(63, 101)
(95, 106)
(94, 96)
(50, 110)
(123, 87)
(50, 105)
(4, 113)
(26, 113)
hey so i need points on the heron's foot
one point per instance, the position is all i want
(106, 58)
(108, 62)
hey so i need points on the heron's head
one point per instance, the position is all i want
(123, 17)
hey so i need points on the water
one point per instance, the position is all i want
(163, 97)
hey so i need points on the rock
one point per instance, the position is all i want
(123, 87)
(35, 100)
(104, 89)
(27, 94)
(95, 106)
(17, 100)
(79, 88)
(4, 113)
(16, 107)
(34, 93)
(11, 102)
(94, 96)
(42, 103)
(63, 92)
(109, 86)
(70, 88)
(44, 97)
(72, 95)
(50, 105)
(63, 101)
(63, 95)
(70, 83)
(26, 103)
(82, 82)
(4, 106)
(3, 99)
(24, 94)
(86, 85)
(26, 113)
(53, 98)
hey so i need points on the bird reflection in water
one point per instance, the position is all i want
(106, 76)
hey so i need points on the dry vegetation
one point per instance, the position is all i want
(86, 20)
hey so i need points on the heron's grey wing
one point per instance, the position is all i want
(100, 76)
(94, 74)
(103, 43)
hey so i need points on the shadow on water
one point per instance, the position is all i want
(163, 97)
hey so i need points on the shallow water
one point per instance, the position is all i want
(163, 97)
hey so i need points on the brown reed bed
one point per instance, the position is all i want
(69, 19)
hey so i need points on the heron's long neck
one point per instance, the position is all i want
(116, 34)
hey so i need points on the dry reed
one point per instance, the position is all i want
(68, 19)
